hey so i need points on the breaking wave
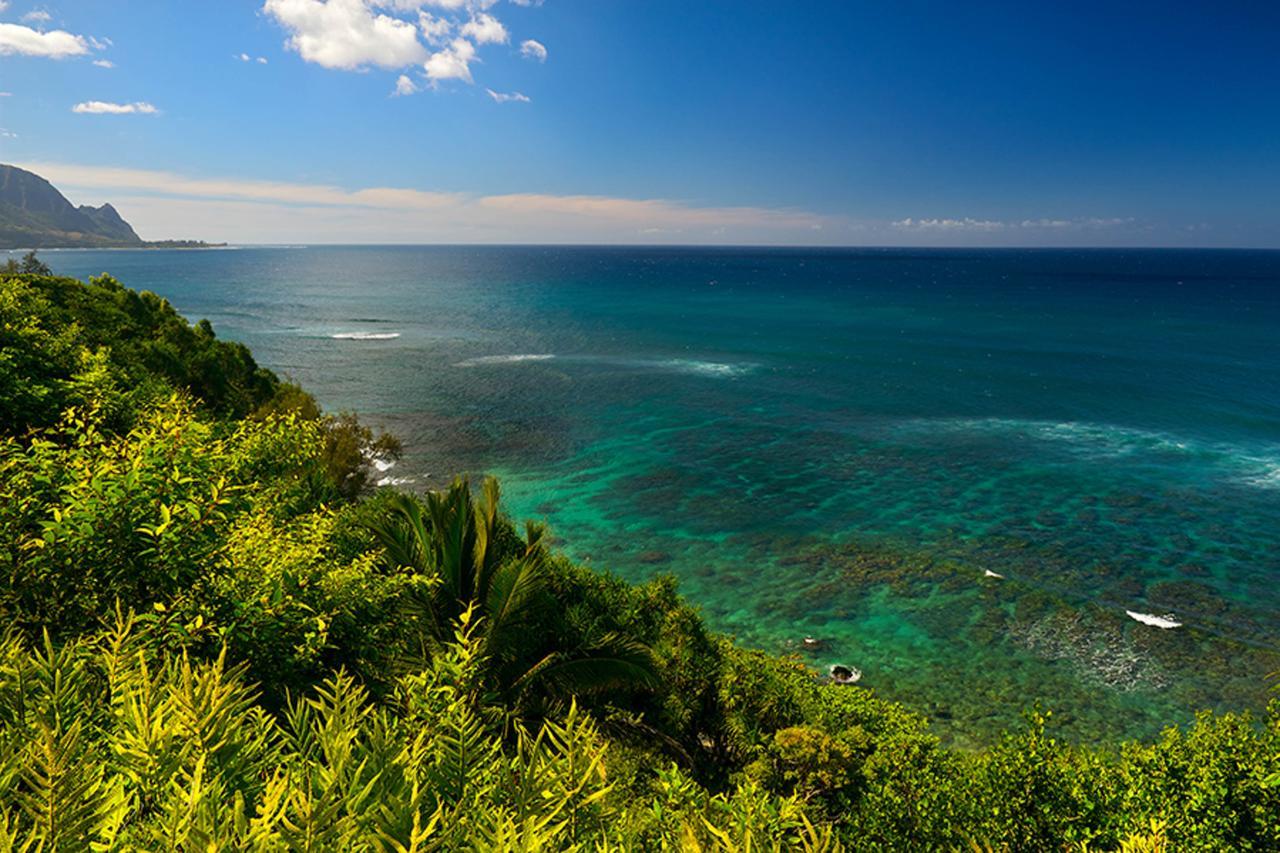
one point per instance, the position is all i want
(676, 365)
(517, 358)
(365, 336)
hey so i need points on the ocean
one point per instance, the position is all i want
(984, 478)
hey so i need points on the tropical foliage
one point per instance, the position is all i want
(220, 639)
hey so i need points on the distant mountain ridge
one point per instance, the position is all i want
(35, 215)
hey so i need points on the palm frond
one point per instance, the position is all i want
(513, 595)
(613, 664)
(403, 534)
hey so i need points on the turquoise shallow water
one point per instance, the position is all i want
(840, 444)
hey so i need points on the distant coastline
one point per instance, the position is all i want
(147, 244)
(35, 216)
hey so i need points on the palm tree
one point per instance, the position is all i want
(479, 564)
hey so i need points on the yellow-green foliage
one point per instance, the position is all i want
(313, 669)
(110, 744)
(92, 515)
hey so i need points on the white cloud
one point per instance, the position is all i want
(531, 49)
(434, 29)
(993, 225)
(442, 36)
(39, 16)
(6, 94)
(261, 60)
(168, 183)
(504, 97)
(452, 63)
(108, 108)
(346, 34)
(4, 4)
(244, 57)
(404, 86)
(7, 134)
(485, 29)
(164, 203)
(55, 44)
(965, 224)
(104, 63)
(447, 5)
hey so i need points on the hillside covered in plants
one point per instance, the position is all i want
(221, 637)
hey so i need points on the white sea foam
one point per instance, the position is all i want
(1084, 437)
(1266, 474)
(396, 481)
(1255, 465)
(383, 465)
(517, 358)
(1166, 621)
(678, 365)
(365, 336)
(987, 573)
(704, 368)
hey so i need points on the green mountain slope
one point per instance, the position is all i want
(33, 214)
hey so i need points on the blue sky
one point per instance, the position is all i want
(649, 121)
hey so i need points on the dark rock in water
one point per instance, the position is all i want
(842, 674)
(813, 644)
(653, 557)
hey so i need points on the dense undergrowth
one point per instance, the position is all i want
(221, 639)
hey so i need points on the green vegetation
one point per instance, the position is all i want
(221, 639)
(34, 213)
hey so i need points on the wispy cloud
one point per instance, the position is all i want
(535, 50)
(104, 63)
(404, 86)
(244, 57)
(269, 211)
(485, 29)
(971, 224)
(108, 108)
(505, 97)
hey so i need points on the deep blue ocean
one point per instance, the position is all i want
(839, 444)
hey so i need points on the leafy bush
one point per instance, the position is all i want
(50, 326)
(218, 639)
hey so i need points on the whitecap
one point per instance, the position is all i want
(705, 368)
(517, 358)
(365, 336)
(1266, 474)
(987, 573)
(396, 481)
(1254, 464)
(383, 465)
(1082, 436)
(1166, 621)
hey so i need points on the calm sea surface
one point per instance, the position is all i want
(840, 444)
